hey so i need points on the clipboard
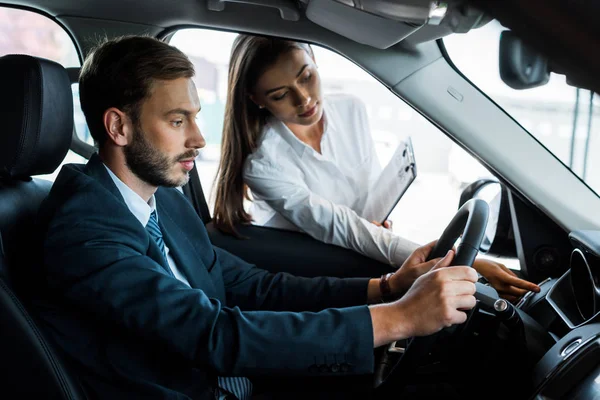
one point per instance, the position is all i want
(392, 184)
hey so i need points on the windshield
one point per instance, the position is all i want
(565, 119)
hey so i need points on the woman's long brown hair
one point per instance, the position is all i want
(244, 122)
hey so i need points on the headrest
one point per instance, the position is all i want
(36, 114)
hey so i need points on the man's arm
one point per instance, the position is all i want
(253, 288)
(260, 290)
(94, 260)
(98, 265)
(374, 291)
(121, 288)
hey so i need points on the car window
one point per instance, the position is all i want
(565, 119)
(80, 124)
(444, 168)
(209, 52)
(26, 32)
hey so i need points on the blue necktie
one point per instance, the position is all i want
(154, 231)
(239, 386)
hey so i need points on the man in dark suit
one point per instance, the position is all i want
(145, 306)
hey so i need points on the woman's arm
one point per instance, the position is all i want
(324, 220)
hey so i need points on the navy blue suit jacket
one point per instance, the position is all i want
(135, 332)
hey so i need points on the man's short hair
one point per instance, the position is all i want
(120, 72)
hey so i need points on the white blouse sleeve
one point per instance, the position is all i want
(322, 219)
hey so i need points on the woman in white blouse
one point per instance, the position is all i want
(307, 159)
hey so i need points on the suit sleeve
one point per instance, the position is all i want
(98, 264)
(258, 289)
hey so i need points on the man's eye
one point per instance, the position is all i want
(177, 123)
(277, 98)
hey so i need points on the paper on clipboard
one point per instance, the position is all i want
(391, 185)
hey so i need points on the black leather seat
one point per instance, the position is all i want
(36, 110)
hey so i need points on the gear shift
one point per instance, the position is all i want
(507, 313)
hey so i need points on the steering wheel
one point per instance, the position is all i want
(470, 221)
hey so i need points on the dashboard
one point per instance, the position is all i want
(568, 307)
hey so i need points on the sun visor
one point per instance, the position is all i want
(383, 23)
(360, 26)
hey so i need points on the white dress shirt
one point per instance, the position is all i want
(142, 210)
(295, 187)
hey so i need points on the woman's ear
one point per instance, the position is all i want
(117, 126)
(253, 99)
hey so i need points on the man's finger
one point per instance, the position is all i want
(427, 266)
(460, 288)
(458, 317)
(445, 261)
(431, 244)
(425, 250)
(461, 273)
(465, 302)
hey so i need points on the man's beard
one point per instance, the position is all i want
(150, 165)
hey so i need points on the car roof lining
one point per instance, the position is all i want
(381, 64)
(378, 31)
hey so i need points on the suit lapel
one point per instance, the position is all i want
(182, 250)
(95, 168)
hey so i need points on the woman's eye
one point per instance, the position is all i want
(277, 98)
(307, 78)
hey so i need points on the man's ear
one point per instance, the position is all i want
(117, 126)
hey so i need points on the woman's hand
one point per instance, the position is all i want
(505, 281)
(387, 224)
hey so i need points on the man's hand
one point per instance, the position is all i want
(414, 266)
(505, 281)
(436, 300)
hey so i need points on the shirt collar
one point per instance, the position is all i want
(298, 145)
(138, 207)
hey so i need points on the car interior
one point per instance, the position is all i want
(543, 347)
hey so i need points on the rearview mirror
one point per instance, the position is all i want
(520, 66)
